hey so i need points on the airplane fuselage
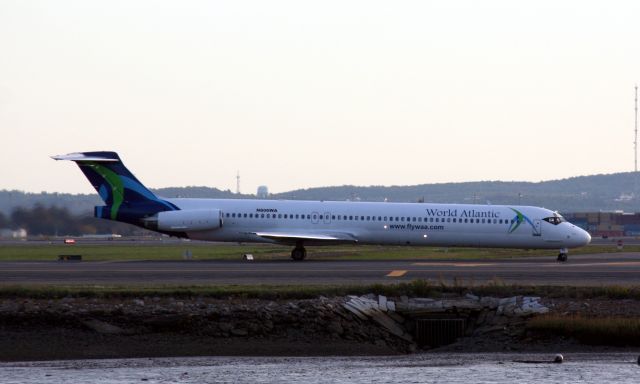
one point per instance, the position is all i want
(302, 223)
(388, 223)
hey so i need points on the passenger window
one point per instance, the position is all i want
(356, 217)
(368, 218)
(227, 215)
(397, 218)
(386, 219)
(233, 215)
(448, 219)
(362, 218)
(379, 218)
(333, 217)
(244, 215)
(454, 219)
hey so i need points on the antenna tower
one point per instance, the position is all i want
(238, 183)
(635, 142)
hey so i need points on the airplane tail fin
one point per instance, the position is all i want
(125, 197)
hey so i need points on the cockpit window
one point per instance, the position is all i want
(555, 220)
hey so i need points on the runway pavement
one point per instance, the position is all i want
(581, 270)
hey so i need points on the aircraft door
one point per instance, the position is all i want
(537, 227)
(327, 218)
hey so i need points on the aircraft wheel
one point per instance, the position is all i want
(562, 257)
(298, 253)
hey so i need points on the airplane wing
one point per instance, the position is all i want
(318, 238)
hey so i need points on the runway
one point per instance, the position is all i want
(580, 270)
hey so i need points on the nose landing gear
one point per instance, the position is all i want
(563, 255)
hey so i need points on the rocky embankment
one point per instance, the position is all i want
(163, 326)
(156, 326)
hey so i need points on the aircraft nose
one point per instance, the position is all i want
(584, 236)
(577, 237)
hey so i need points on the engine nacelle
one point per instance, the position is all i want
(186, 220)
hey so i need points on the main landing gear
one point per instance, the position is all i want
(563, 255)
(298, 253)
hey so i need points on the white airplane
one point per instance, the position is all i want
(302, 223)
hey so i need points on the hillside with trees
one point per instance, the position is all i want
(50, 213)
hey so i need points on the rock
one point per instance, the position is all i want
(481, 317)
(334, 327)
(490, 302)
(390, 325)
(495, 328)
(472, 297)
(355, 310)
(420, 301)
(508, 300)
(461, 304)
(239, 332)
(396, 317)
(138, 302)
(382, 303)
(391, 306)
(103, 327)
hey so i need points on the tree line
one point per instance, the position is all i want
(41, 220)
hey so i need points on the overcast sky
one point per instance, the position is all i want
(297, 94)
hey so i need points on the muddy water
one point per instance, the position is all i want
(422, 368)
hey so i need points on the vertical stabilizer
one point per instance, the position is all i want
(125, 197)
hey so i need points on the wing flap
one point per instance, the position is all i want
(312, 237)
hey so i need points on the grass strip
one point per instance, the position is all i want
(116, 251)
(415, 288)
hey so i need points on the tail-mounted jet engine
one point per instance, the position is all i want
(185, 220)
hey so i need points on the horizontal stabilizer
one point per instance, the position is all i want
(108, 157)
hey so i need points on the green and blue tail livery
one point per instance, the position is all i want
(125, 197)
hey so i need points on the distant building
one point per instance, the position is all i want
(13, 234)
(607, 224)
(263, 192)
